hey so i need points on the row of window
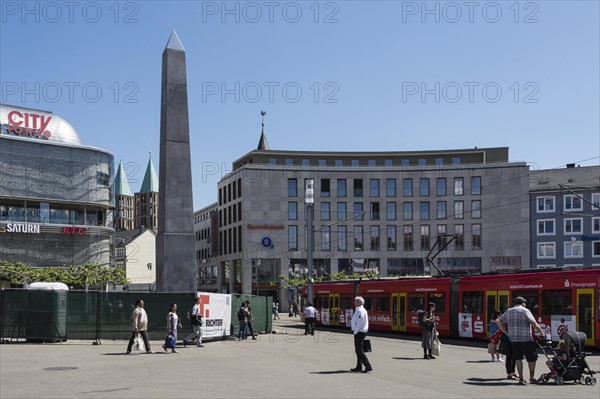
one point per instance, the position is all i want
(230, 240)
(390, 210)
(572, 249)
(383, 302)
(390, 187)
(45, 212)
(203, 254)
(546, 227)
(571, 203)
(370, 162)
(409, 239)
(230, 192)
(230, 214)
(553, 302)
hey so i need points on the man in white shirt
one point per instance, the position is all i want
(360, 327)
(309, 319)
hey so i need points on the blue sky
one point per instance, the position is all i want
(332, 76)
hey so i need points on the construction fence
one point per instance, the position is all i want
(54, 316)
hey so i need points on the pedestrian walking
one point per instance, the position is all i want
(276, 311)
(295, 308)
(429, 333)
(250, 320)
(309, 319)
(516, 322)
(195, 315)
(360, 327)
(139, 321)
(172, 324)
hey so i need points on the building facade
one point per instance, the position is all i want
(56, 196)
(136, 253)
(206, 249)
(379, 211)
(565, 215)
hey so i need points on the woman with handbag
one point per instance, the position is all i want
(172, 324)
(429, 333)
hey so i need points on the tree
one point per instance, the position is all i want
(76, 276)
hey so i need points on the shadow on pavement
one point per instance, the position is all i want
(331, 372)
(478, 361)
(408, 358)
(490, 382)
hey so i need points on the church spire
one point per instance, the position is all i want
(262, 143)
(150, 183)
(121, 183)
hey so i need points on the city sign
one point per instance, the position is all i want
(27, 124)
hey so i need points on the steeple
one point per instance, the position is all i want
(121, 183)
(150, 183)
(262, 143)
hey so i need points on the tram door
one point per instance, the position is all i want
(495, 300)
(334, 309)
(585, 314)
(399, 312)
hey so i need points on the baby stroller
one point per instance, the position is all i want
(574, 368)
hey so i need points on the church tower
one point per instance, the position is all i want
(146, 200)
(124, 202)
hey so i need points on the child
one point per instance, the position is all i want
(562, 354)
(493, 328)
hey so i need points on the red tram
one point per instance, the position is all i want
(559, 300)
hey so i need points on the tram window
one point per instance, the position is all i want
(345, 302)
(382, 303)
(416, 302)
(532, 300)
(368, 303)
(557, 302)
(439, 298)
(472, 302)
(324, 302)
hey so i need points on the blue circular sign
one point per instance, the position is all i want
(266, 242)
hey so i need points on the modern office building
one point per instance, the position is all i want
(373, 211)
(565, 215)
(56, 196)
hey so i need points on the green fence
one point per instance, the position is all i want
(52, 316)
(262, 310)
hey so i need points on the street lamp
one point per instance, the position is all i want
(310, 200)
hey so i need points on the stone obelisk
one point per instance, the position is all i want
(175, 243)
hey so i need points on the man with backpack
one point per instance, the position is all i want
(195, 316)
(242, 316)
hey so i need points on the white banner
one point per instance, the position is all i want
(465, 325)
(560, 324)
(216, 314)
(325, 317)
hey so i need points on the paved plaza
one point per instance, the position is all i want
(285, 364)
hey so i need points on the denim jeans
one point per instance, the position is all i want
(243, 330)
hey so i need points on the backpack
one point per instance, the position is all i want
(241, 314)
